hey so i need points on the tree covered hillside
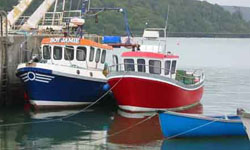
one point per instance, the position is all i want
(184, 16)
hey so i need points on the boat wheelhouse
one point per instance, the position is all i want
(70, 72)
(148, 80)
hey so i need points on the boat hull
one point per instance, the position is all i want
(245, 117)
(138, 93)
(46, 89)
(178, 125)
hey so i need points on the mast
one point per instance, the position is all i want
(165, 32)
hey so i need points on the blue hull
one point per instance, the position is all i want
(180, 125)
(43, 85)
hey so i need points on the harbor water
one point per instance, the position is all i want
(226, 64)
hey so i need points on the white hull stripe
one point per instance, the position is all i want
(26, 80)
(42, 75)
(57, 103)
(41, 81)
(146, 109)
(36, 77)
(25, 74)
(153, 79)
(25, 77)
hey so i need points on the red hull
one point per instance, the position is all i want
(138, 94)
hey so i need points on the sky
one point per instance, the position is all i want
(244, 3)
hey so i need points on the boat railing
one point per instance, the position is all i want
(190, 77)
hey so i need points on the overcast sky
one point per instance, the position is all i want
(245, 3)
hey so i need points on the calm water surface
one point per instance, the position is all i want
(226, 64)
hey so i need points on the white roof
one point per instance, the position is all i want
(151, 34)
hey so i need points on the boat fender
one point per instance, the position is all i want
(105, 71)
(106, 87)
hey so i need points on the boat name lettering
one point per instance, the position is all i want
(65, 40)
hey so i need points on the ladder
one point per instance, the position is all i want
(4, 73)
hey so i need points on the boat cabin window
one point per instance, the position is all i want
(115, 62)
(46, 52)
(155, 66)
(129, 65)
(57, 53)
(173, 67)
(81, 53)
(141, 65)
(92, 53)
(69, 53)
(97, 55)
(167, 67)
(103, 56)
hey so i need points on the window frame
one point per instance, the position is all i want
(91, 54)
(143, 69)
(127, 65)
(98, 55)
(61, 55)
(66, 48)
(84, 49)
(167, 70)
(153, 66)
(49, 49)
(173, 63)
(116, 62)
(103, 56)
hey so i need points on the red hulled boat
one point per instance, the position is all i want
(149, 81)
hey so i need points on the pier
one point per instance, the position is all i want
(14, 50)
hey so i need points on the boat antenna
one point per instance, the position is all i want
(165, 31)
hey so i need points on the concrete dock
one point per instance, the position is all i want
(14, 49)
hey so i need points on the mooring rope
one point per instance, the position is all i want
(123, 130)
(68, 116)
(96, 100)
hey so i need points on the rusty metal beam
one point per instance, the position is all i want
(4, 14)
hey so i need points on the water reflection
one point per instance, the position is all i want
(145, 133)
(215, 143)
(76, 132)
(145, 129)
(98, 128)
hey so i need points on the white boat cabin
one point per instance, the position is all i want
(151, 63)
(76, 52)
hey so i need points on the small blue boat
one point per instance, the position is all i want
(192, 125)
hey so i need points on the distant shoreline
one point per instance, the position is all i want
(208, 35)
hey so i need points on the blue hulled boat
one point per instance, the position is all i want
(191, 125)
(71, 72)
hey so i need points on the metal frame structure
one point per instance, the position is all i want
(3, 15)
